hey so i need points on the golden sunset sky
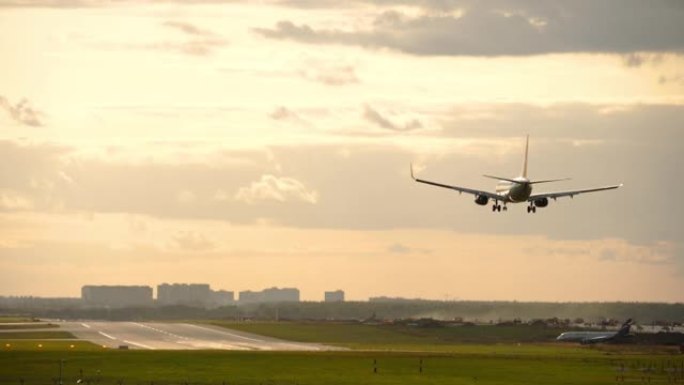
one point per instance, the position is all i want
(250, 144)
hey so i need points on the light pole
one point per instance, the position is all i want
(61, 364)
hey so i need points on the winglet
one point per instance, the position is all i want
(412, 177)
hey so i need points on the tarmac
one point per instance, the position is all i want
(177, 336)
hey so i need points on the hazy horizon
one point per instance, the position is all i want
(254, 144)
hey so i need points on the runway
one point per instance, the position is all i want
(178, 336)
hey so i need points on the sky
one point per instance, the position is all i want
(250, 144)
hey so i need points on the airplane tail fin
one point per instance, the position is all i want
(624, 330)
(523, 173)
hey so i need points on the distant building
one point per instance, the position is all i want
(222, 298)
(116, 296)
(249, 296)
(281, 295)
(334, 296)
(271, 295)
(197, 294)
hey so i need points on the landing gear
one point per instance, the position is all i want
(531, 209)
(497, 207)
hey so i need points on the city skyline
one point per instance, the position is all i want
(269, 142)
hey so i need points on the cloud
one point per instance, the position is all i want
(364, 183)
(201, 42)
(635, 59)
(186, 197)
(191, 241)
(331, 75)
(613, 250)
(50, 3)
(11, 200)
(98, 3)
(496, 28)
(375, 117)
(677, 79)
(202, 47)
(188, 28)
(22, 112)
(283, 113)
(398, 248)
(198, 41)
(273, 188)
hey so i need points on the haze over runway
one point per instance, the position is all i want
(177, 336)
(251, 144)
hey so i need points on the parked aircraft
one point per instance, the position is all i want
(515, 190)
(596, 337)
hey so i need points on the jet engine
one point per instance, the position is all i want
(481, 200)
(541, 202)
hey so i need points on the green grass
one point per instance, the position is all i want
(14, 319)
(475, 365)
(355, 334)
(18, 326)
(448, 355)
(13, 346)
(42, 335)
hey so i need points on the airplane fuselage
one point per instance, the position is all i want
(514, 192)
(584, 336)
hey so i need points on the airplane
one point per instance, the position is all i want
(596, 337)
(515, 190)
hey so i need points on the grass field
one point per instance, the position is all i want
(549, 366)
(18, 323)
(20, 326)
(35, 335)
(12, 347)
(14, 319)
(397, 360)
(358, 335)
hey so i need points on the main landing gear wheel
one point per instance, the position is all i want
(531, 209)
(497, 207)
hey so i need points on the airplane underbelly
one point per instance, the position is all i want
(519, 193)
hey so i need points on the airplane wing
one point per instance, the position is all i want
(466, 190)
(596, 340)
(571, 194)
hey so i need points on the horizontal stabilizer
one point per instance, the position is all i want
(522, 181)
(548, 180)
(501, 178)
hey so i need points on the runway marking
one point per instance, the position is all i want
(139, 344)
(160, 331)
(108, 336)
(230, 334)
(162, 336)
